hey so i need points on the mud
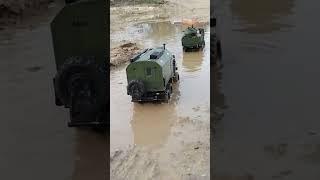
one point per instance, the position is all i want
(161, 141)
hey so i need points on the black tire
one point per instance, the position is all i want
(136, 89)
(81, 85)
(77, 69)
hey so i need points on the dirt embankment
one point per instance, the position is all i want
(122, 54)
(13, 10)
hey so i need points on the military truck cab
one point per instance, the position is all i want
(150, 75)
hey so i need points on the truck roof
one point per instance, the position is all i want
(158, 55)
(190, 30)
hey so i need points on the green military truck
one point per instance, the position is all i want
(193, 38)
(79, 36)
(150, 75)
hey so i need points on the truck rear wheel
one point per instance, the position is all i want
(79, 69)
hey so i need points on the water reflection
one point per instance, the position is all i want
(151, 123)
(262, 16)
(91, 155)
(192, 61)
(157, 31)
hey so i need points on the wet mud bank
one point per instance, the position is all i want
(160, 140)
(121, 54)
(270, 128)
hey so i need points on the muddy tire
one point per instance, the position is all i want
(80, 84)
(136, 89)
(80, 69)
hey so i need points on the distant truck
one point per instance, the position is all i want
(150, 75)
(193, 38)
(79, 36)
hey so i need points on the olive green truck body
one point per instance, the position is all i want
(193, 38)
(150, 75)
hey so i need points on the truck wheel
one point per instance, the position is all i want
(136, 89)
(78, 70)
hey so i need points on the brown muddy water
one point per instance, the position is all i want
(35, 140)
(173, 138)
(150, 124)
(270, 128)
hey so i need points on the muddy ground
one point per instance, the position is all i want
(161, 141)
(122, 54)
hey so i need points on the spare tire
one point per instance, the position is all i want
(136, 89)
(77, 69)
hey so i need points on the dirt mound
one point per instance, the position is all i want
(123, 53)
